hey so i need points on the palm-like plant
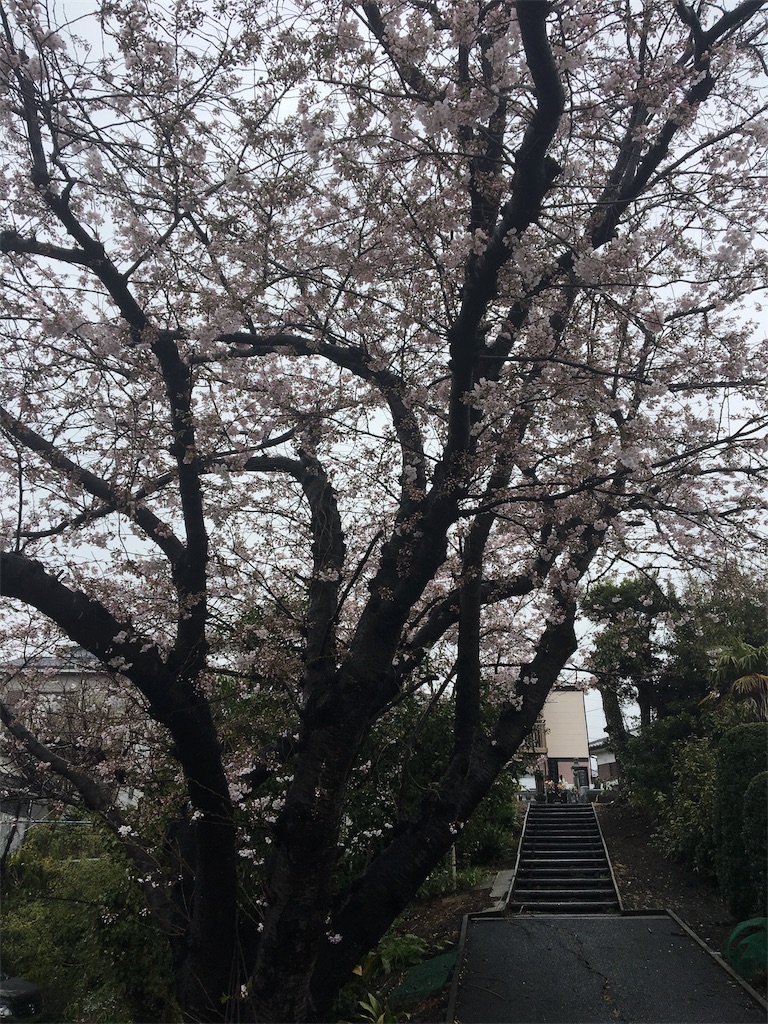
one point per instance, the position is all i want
(751, 683)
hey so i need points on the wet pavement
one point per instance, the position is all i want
(606, 969)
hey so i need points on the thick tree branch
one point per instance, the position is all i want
(632, 172)
(113, 641)
(327, 562)
(412, 77)
(153, 527)
(356, 361)
(96, 798)
(192, 569)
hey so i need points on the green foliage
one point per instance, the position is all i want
(486, 840)
(743, 668)
(741, 755)
(441, 883)
(657, 646)
(709, 635)
(685, 817)
(648, 774)
(382, 967)
(717, 614)
(372, 1011)
(74, 922)
(394, 953)
(747, 950)
(670, 773)
(626, 657)
(755, 837)
(400, 767)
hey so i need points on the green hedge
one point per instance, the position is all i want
(742, 754)
(755, 836)
(684, 826)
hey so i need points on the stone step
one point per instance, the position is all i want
(568, 867)
(547, 824)
(561, 841)
(559, 811)
(559, 808)
(563, 907)
(564, 882)
(574, 830)
(542, 875)
(582, 852)
(563, 826)
(585, 895)
(566, 853)
(571, 841)
(556, 823)
(553, 825)
(542, 840)
(563, 867)
(587, 827)
(556, 861)
(559, 817)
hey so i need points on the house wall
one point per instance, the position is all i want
(606, 764)
(567, 740)
(61, 699)
(16, 815)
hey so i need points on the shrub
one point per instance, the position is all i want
(441, 882)
(741, 755)
(487, 843)
(73, 922)
(684, 829)
(755, 836)
(746, 951)
(398, 771)
(647, 771)
(394, 954)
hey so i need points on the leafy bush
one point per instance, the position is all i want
(374, 1012)
(755, 837)
(440, 882)
(395, 953)
(741, 755)
(647, 771)
(684, 828)
(73, 922)
(484, 841)
(672, 776)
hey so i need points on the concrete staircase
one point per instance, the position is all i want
(563, 867)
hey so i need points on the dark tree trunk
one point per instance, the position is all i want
(646, 699)
(298, 920)
(614, 722)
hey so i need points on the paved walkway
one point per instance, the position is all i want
(606, 969)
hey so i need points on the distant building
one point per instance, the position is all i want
(602, 752)
(560, 739)
(565, 718)
(62, 698)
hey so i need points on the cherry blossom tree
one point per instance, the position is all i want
(339, 341)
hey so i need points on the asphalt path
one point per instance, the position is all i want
(606, 969)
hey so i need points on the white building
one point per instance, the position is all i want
(561, 741)
(61, 698)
